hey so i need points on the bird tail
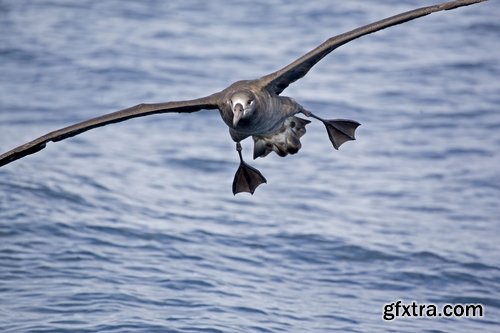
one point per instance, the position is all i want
(283, 142)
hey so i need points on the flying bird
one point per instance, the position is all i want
(252, 108)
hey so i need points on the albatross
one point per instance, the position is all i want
(252, 108)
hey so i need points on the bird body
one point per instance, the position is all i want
(252, 107)
(263, 112)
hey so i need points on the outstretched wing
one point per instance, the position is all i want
(141, 110)
(278, 81)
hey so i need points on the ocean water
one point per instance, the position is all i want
(133, 227)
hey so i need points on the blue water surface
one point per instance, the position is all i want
(133, 227)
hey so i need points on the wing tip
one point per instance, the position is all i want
(459, 3)
(20, 152)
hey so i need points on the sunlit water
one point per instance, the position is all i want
(133, 227)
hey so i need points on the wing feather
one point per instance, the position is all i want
(278, 81)
(141, 110)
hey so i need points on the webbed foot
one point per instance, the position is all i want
(340, 130)
(246, 178)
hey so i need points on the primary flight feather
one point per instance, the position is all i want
(252, 107)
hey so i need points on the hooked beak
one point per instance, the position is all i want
(237, 114)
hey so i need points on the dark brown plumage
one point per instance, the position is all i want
(252, 107)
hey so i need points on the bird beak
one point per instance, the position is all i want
(237, 113)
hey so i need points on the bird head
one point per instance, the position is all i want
(242, 105)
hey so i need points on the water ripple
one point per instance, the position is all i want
(133, 227)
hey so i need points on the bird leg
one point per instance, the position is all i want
(339, 130)
(247, 178)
